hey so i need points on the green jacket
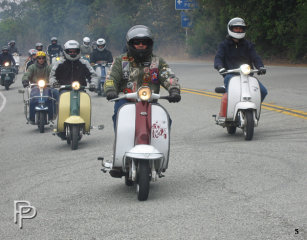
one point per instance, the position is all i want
(36, 72)
(127, 75)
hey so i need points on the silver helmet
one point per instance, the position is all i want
(86, 41)
(39, 46)
(72, 50)
(101, 44)
(135, 35)
(236, 22)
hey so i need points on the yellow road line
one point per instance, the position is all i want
(267, 106)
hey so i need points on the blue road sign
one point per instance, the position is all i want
(185, 4)
(186, 20)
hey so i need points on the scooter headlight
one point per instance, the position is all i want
(6, 64)
(75, 85)
(41, 83)
(144, 93)
(57, 58)
(245, 69)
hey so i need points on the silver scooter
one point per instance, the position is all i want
(241, 105)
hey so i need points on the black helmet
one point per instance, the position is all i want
(136, 35)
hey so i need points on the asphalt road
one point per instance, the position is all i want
(217, 186)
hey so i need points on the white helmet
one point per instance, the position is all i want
(86, 41)
(101, 42)
(236, 22)
(72, 50)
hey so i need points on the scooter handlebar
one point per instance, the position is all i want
(134, 96)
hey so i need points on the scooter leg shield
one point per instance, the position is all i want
(160, 133)
(64, 110)
(85, 110)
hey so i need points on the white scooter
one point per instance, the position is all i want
(142, 141)
(241, 105)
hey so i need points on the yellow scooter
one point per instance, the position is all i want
(74, 117)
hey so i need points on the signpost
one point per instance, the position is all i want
(186, 20)
(185, 4)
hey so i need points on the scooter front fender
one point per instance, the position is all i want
(74, 120)
(41, 108)
(244, 106)
(144, 152)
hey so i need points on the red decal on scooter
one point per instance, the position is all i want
(158, 131)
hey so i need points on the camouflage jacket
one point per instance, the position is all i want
(127, 75)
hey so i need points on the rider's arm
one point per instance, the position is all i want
(28, 76)
(52, 76)
(109, 57)
(12, 60)
(48, 50)
(167, 77)
(91, 74)
(255, 57)
(113, 79)
(219, 57)
(92, 58)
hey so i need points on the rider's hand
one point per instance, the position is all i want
(92, 87)
(261, 71)
(25, 83)
(174, 95)
(111, 94)
(222, 70)
(55, 84)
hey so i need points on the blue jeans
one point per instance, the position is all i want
(263, 90)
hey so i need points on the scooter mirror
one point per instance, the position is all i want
(21, 91)
(220, 90)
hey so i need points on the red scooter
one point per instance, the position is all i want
(142, 141)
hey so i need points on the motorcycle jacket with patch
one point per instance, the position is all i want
(64, 72)
(36, 72)
(127, 75)
(104, 55)
(7, 57)
(231, 55)
(54, 49)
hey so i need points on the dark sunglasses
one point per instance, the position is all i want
(141, 41)
(40, 58)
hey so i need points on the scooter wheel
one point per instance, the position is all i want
(74, 133)
(249, 126)
(41, 122)
(143, 180)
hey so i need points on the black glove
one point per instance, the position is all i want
(261, 71)
(222, 70)
(174, 95)
(92, 87)
(25, 83)
(111, 94)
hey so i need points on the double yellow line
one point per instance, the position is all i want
(268, 106)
